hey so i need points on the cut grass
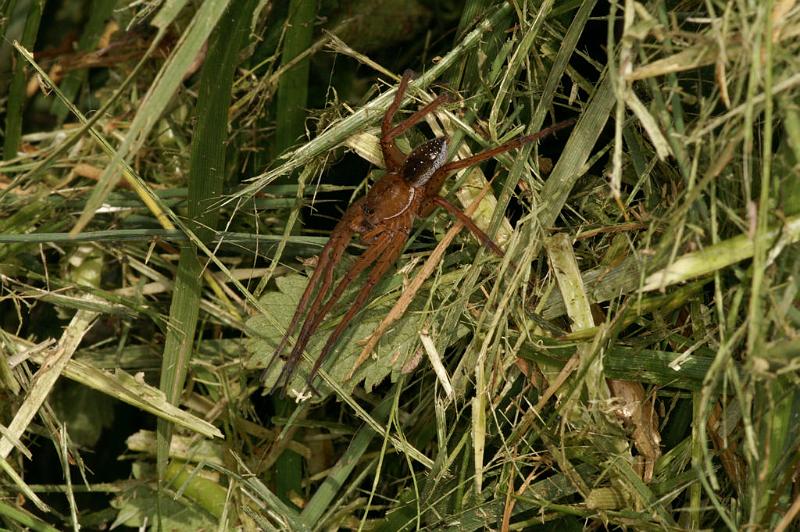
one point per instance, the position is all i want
(631, 362)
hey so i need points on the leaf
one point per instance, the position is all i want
(85, 412)
(138, 507)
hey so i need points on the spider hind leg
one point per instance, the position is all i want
(392, 155)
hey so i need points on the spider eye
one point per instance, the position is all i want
(424, 161)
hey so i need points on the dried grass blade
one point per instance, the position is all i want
(154, 102)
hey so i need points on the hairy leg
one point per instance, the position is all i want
(369, 257)
(392, 155)
(416, 117)
(394, 244)
(330, 255)
(467, 221)
(510, 145)
(318, 312)
(433, 185)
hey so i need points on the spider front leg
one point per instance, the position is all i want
(434, 184)
(314, 320)
(391, 243)
(329, 257)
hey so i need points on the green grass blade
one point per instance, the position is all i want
(578, 148)
(98, 14)
(292, 96)
(206, 176)
(22, 518)
(16, 94)
(166, 84)
(339, 473)
(291, 103)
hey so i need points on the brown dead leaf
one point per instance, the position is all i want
(637, 411)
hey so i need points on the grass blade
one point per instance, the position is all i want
(155, 101)
(207, 173)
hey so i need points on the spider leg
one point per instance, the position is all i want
(415, 118)
(510, 145)
(330, 256)
(434, 184)
(362, 263)
(393, 244)
(467, 221)
(392, 155)
(398, 98)
(316, 314)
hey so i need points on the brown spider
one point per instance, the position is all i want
(383, 219)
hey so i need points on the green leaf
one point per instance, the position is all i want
(137, 508)
(84, 411)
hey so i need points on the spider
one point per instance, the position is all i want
(383, 219)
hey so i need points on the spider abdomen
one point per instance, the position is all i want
(426, 158)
